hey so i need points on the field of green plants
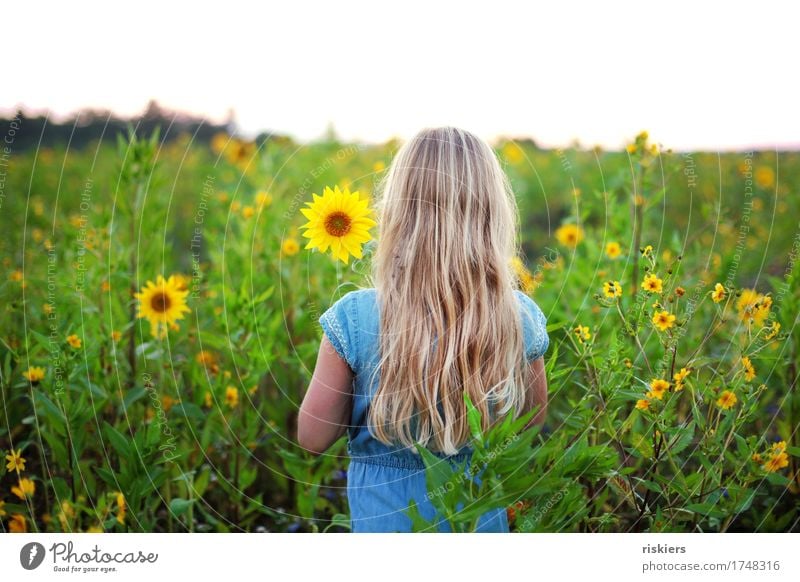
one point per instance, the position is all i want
(669, 281)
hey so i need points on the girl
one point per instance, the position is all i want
(444, 317)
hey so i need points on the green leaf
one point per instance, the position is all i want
(706, 509)
(118, 441)
(473, 419)
(683, 439)
(179, 506)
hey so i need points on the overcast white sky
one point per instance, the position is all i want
(695, 74)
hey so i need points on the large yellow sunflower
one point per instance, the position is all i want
(162, 303)
(339, 220)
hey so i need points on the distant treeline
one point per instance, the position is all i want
(88, 126)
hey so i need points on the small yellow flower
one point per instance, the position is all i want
(682, 374)
(74, 341)
(718, 294)
(290, 247)
(378, 166)
(205, 357)
(612, 289)
(15, 461)
(248, 212)
(613, 250)
(207, 399)
(749, 370)
(773, 330)
(776, 462)
(642, 404)
(263, 198)
(34, 374)
(756, 458)
(2, 508)
(631, 148)
(105, 286)
(167, 402)
(652, 283)
(726, 400)
(663, 320)
(25, 489)
(48, 309)
(680, 291)
(778, 447)
(582, 331)
(513, 152)
(658, 387)
(765, 177)
(116, 335)
(231, 396)
(753, 307)
(122, 508)
(527, 281)
(16, 276)
(647, 251)
(17, 524)
(569, 235)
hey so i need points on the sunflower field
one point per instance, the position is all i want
(159, 329)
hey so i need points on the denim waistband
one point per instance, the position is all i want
(402, 461)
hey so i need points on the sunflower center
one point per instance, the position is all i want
(160, 302)
(337, 224)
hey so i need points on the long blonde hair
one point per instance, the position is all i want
(447, 221)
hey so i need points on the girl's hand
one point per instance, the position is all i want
(325, 413)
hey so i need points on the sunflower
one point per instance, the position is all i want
(339, 220)
(162, 303)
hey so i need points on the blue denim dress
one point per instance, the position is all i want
(382, 480)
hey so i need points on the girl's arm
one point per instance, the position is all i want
(537, 392)
(325, 412)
